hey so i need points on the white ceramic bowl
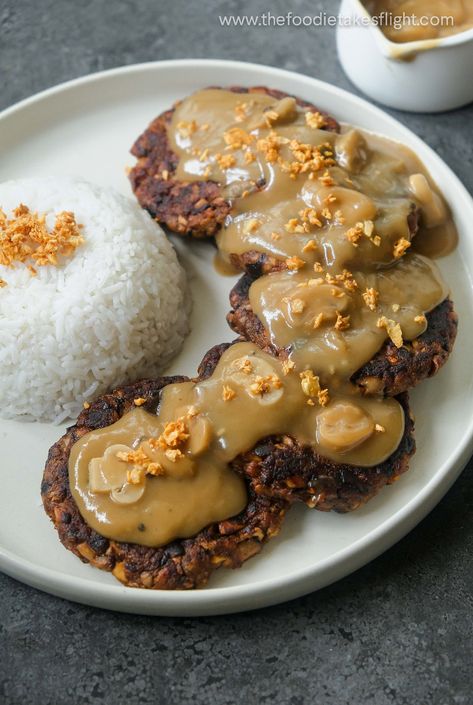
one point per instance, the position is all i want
(423, 76)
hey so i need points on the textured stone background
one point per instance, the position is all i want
(398, 631)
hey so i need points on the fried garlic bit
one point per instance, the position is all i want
(237, 138)
(245, 365)
(264, 385)
(310, 246)
(364, 229)
(26, 237)
(393, 329)
(187, 128)
(228, 393)
(371, 298)
(293, 226)
(400, 247)
(310, 384)
(174, 435)
(315, 120)
(309, 216)
(294, 263)
(142, 465)
(303, 158)
(346, 279)
(225, 161)
(342, 322)
(297, 306)
(326, 179)
(287, 366)
(242, 110)
(251, 226)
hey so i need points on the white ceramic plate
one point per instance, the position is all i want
(86, 128)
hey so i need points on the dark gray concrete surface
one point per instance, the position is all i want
(398, 631)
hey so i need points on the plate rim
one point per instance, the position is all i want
(237, 598)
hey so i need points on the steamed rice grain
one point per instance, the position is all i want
(114, 311)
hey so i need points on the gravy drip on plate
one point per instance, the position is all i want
(416, 20)
(335, 209)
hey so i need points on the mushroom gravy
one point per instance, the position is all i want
(340, 212)
(423, 19)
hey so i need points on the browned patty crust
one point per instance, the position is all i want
(194, 208)
(181, 565)
(278, 471)
(392, 371)
(283, 468)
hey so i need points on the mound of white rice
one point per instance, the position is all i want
(114, 311)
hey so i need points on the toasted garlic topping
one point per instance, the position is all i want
(228, 393)
(293, 226)
(366, 229)
(297, 305)
(174, 434)
(371, 298)
(310, 384)
(315, 120)
(294, 263)
(26, 237)
(310, 246)
(287, 366)
(236, 138)
(393, 329)
(186, 129)
(310, 216)
(354, 234)
(242, 110)
(258, 379)
(400, 247)
(142, 464)
(174, 454)
(326, 179)
(135, 476)
(245, 365)
(250, 226)
(342, 322)
(225, 161)
(263, 385)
